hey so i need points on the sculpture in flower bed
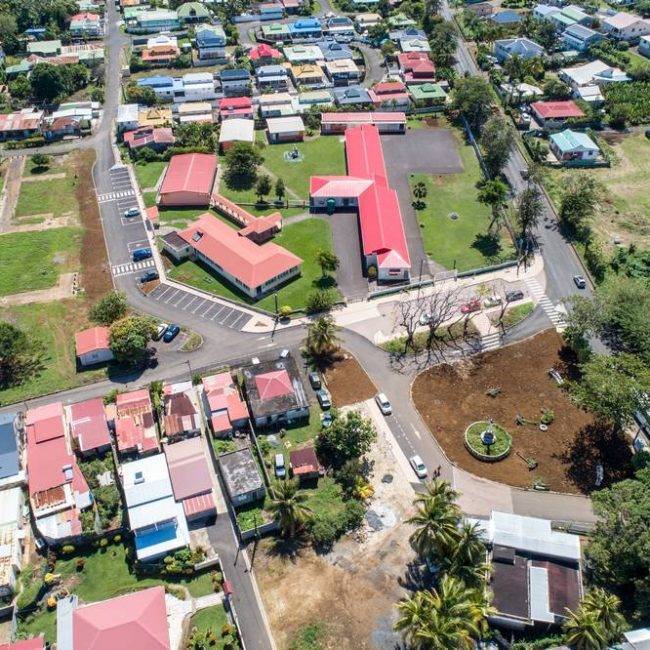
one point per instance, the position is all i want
(487, 441)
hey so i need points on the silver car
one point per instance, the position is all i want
(383, 404)
(418, 466)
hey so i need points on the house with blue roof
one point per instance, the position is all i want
(334, 51)
(507, 17)
(210, 42)
(581, 38)
(351, 96)
(573, 146)
(11, 473)
(305, 28)
(236, 82)
(275, 77)
(163, 86)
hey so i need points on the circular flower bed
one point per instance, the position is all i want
(498, 451)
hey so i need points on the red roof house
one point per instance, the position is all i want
(92, 346)
(88, 426)
(304, 463)
(160, 54)
(189, 180)
(180, 410)
(236, 107)
(416, 67)
(37, 643)
(274, 384)
(223, 403)
(385, 121)
(251, 268)
(137, 620)
(157, 139)
(390, 94)
(264, 54)
(557, 112)
(262, 229)
(382, 229)
(135, 427)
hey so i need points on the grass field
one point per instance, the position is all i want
(34, 260)
(148, 173)
(304, 239)
(623, 208)
(461, 243)
(54, 196)
(53, 324)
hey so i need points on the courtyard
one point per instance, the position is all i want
(505, 384)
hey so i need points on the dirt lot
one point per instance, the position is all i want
(348, 382)
(449, 399)
(346, 599)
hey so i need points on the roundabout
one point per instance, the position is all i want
(487, 441)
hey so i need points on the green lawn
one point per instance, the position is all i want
(34, 260)
(322, 155)
(53, 325)
(304, 239)
(106, 574)
(462, 243)
(213, 619)
(326, 499)
(148, 173)
(55, 196)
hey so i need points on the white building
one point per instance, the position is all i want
(196, 87)
(127, 117)
(594, 73)
(298, 54)
(624, 26)
(156, 519)
(644, 46)
(11, 539)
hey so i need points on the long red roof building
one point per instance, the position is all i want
(189, 180)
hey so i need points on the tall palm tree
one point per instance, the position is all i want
(321, 337)
(466, 559)
(584, 631)
(450, 616)
(288, 504)
(436, 526)
(606, 607)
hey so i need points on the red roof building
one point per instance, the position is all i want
(37, 643)
(55, 479)
(189, 180)
(137, 620)
(304, 463)
(135, 427)
(262, 229)
(382, 229)
(390, 94)
(160, 54)
(180, 410)
(274, 384)
(385, 121)
(557, 112)
(264, 54)
(157, 139)
(191, 478)
(88, 426)
(223, 404)
(416, 67)
(253, 269)
(236, 107)
(93, 346)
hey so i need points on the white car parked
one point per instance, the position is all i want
(383, 404)
(418, 466)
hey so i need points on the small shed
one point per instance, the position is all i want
(304, 464)
(92, 346)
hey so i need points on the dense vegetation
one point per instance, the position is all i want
(634, 97)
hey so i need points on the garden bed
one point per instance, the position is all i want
(487, 453)
(449, 399)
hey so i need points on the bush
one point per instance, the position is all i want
(103, 542)
(548, 415)
(67, 549)
(323, 531)
(326, 528)
(320, 300)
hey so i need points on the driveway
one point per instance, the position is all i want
(347, 245)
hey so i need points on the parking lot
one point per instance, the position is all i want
(347, 245)
(204, 308)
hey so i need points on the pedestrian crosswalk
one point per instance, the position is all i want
(555, 316)
(111, 196)
(132, 267)
(490, 341)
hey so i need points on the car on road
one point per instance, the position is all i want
(255, 361)
(326, 419)
(473, 305)
(171, 333)
(280, 469)
(132, 212)
(418, 466)
(141, 254)
(425, 318)
(284, 353)
(383, 404)
(324, 399)
(515, 294)
(160, 330)
(492, 301)
(149, 276)
(580, 282)
(314, 380)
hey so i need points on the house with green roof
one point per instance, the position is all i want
(193, 12)
(573, 147)
(400, 21)
(24, 67)
(131, 13)
(44, 48)
(427, 94)
(276, 32)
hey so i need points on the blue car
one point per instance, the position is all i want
(141, 254)
(171, 333)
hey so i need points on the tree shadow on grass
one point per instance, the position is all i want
(597, 444)
(239, 182)
(289, 549)
(324, 282)
(416, 577)
(487, 244)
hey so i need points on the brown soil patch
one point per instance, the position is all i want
(348, 382)
(95, 269)
(567, 454)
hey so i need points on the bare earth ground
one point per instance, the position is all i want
(350, 593)
(449, 399)
(348, 382)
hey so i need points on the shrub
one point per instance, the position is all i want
(372, 272)
(103, 542)
(323, 531)
(117, 539)
(285, 311)
(320, 300)
(228, 629)
(67, 549)
(548, 415)
(80, 563)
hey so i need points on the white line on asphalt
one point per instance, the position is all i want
(415, 431)
(198, 306)
(173, 294)
(218, 312)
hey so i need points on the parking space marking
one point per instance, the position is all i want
(226, 316)
(172, 296)
(139, 243)
(182, 299)
(234, 313)
(244, 316)
(162, 293)
(222, 307)
(198, 306)
(191, 302)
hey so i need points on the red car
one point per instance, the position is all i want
(473, 305)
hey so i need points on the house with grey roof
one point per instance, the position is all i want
(522, 47)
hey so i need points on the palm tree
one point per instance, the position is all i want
(288, 504)
(450, 616)
(606, 607)
(466, 559)
(436, 522)
(584, 631)
(322, 339)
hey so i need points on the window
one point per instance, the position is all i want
(197, 235)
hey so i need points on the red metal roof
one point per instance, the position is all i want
(37, 643)
(304, 461)
(190, 172)
(138, 620)
(363, 118)
(188, 468)
(416, 62)
(91, 340)
(264, 51)
(389, 87)
(228, 103)
(200, 503)
(274, 384)
(560, 109)
(239, 256)
(88, 424)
